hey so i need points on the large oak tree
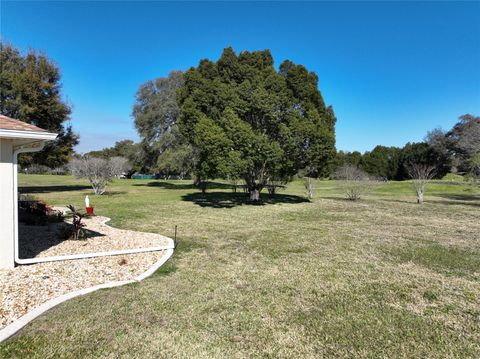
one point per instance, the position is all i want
(250, 121)
(30, 91)
(165, 149)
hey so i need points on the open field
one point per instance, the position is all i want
(382, 277)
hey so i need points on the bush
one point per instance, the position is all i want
(44, 170)
(60, 171)
(453, 177)
(99, 171)
(353, 182)
(37, 213)
(37, 170)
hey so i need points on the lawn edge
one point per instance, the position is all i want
(18, 324)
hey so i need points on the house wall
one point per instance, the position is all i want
(6, 205)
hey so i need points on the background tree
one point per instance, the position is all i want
(156, 113)
(474, 169)
(347, 158)
(421, 174)
(422, 154)
(124, 148)
(247, 120)
(382, 162)
(460, 143)
(99, 171)
(30, 91)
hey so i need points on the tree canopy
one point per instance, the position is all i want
(382, 162)
(460, 144)
(30, 91)
(124, 148)
(156, 112)
(393, 163)
(249, 121)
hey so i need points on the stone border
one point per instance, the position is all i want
(18, 324)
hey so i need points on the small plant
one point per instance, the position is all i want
(78, 225)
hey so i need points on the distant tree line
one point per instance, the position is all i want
(456, 150)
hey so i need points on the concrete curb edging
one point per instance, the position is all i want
(27, 261)
(14, 327)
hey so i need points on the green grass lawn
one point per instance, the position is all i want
(379, 278)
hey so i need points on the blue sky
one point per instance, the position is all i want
(391, 70)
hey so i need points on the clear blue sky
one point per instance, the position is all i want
(391, 70)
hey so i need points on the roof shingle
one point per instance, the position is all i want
(7, 123)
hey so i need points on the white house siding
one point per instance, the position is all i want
(6, 204)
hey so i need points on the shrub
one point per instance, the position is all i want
(99, 171)
(353, 182)
(37, 213)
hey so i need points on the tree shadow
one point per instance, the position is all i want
(180, 186)
(48, 189)
(113, 193)
(232, 199)
(44, 237)
(461, 199)
(450, 200)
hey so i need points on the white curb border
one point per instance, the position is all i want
(14, 327)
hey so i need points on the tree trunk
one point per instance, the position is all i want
(197, 180)
(255, 195)
(419, 197)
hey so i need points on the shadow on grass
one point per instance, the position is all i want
(179, 186)
(449, 200)
(462, 197)
(48, 189)
(30, 245)
(231, 199)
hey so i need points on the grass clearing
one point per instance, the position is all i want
(382, 277)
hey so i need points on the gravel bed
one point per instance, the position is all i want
(42, 241)
(28, 286)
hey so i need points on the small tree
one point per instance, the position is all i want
(99, 171)
(309, 189)
(353, 182)
(420, 174)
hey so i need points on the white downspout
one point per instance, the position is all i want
(64, 257)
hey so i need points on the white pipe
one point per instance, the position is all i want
(19, 150)
(65, 257)
(90, 255)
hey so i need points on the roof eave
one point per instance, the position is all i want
(30, 135)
